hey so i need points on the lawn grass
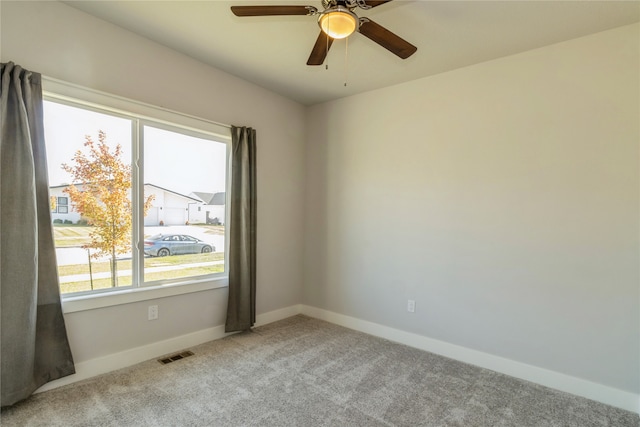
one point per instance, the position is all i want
(71, 236)
(123, 281)
(213, 229)
(181, 261)
(125, 264)
(85, 285)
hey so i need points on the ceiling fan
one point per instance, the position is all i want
(337, 20)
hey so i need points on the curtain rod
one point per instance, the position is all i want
(52, 80)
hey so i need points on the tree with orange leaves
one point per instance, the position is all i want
(104, 198)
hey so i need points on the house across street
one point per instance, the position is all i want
(168, 207)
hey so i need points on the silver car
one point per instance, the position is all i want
(175, 244)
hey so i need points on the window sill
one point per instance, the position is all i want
(74, 304)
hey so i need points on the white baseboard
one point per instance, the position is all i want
(111, 362)
(275, 315)
(598, 392)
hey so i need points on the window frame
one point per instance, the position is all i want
(142, 114)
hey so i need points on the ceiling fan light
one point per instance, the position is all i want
(338, 22)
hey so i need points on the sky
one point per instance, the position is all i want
(174, 161)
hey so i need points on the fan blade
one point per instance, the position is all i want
(320, 49)
(385, 38)
(272, 10)
(374, 3)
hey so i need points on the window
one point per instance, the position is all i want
(63, 205)
(132, 197)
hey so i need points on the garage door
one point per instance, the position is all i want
(174, 216)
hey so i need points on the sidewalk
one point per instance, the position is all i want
(122, 273)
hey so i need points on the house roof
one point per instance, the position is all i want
(172, 192)
(211, 198)
(146, 184)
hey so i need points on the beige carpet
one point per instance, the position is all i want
(305, 372)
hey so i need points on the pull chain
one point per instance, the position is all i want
(346, 61)
(326, 67)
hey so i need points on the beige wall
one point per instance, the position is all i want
(61, 42)
(501, 197)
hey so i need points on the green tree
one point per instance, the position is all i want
(101, 194)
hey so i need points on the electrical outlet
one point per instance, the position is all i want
(153, 312)
(411, 306)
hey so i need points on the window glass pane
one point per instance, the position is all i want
(184, 191)
(92, 212)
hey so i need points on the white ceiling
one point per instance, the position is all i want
(272, 51)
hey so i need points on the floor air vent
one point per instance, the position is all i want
(175, 357)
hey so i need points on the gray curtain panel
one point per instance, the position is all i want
(241, 307)
(34, 346)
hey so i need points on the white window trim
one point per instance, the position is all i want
(71, 304)
(57, 90)
(60, 90)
